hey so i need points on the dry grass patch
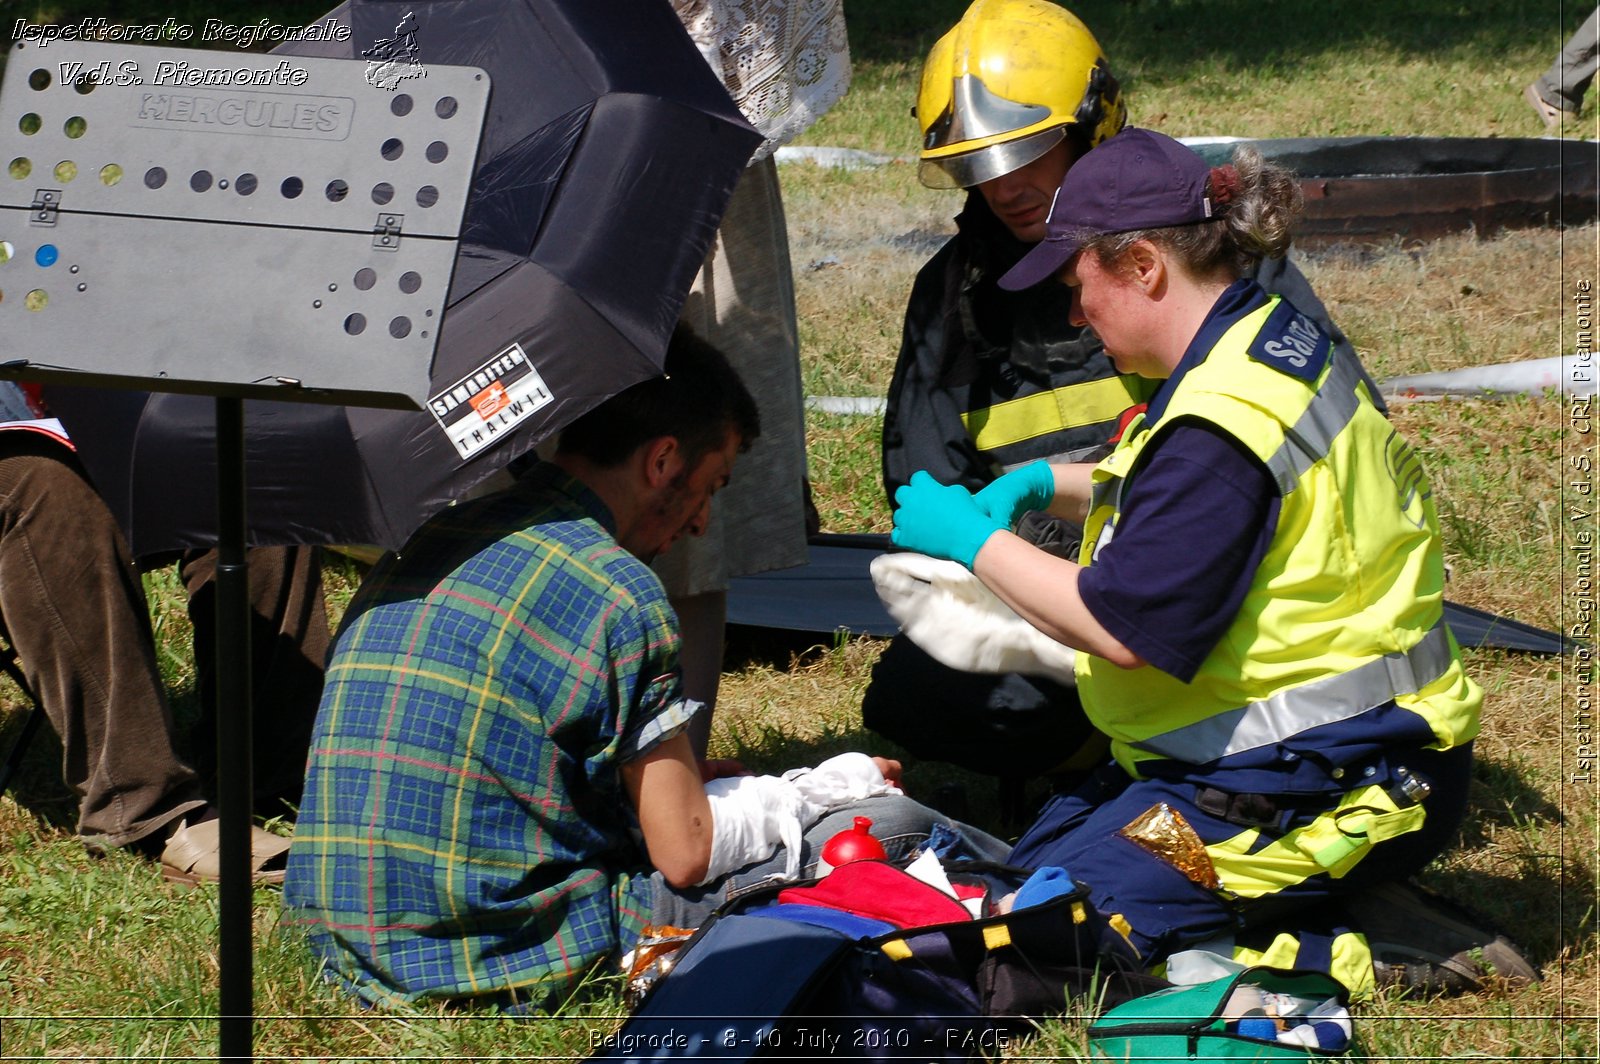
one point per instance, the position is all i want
(856, 240)
(1526, 852)
(1497, 488)
(843, 453)
(1380, 91)
(801, 699)
(1458, 301)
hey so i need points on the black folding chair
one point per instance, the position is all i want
(30, 723)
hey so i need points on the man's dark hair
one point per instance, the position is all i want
(698, 400)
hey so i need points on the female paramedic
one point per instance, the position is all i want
(1258, 601)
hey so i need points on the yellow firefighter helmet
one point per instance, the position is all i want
(1005, 86)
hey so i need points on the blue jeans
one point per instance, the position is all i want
(900, 823)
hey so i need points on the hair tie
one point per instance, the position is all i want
(1223, 186)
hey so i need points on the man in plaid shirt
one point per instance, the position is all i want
(502, 697)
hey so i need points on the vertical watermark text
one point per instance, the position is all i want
(1579, 530)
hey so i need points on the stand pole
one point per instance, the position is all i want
(234, 787)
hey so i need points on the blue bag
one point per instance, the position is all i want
(797, 980)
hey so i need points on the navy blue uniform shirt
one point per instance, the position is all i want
(1197, 517)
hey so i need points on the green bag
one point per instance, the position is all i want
(1186, 1023)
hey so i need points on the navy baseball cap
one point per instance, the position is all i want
(1138, 179)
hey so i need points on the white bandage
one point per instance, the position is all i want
(839, 781)
(948, 612)
(750, 816)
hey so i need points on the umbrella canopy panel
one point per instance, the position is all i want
(608, 152)
(604, 122)
(1376, 188)
(153, 458)
(264, 223)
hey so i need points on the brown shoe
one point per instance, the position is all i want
(1426, 945)
(1548, 112)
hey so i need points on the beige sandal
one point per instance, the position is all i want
(191, 855)
(1550, 113)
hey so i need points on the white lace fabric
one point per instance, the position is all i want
(784, 62)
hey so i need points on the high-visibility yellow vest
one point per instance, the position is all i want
(1345, 611)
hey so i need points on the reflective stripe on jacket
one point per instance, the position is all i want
(1057, 424)
(1344, 613)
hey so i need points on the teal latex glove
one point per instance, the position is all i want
(1029, 487)
(943, 521)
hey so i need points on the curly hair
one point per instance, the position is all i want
(1255, 206)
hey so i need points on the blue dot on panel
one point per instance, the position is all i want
(46, 255)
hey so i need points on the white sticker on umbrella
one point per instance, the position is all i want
(479, 409)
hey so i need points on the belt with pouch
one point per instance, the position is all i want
(1273, 812)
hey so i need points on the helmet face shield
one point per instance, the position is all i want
(986, 164)
(976, 114)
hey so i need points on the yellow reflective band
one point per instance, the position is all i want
(1333, 843)
(1351, 961)
(896, 949)
(1280, 954)
(1079, 915)
(1248, 875)
(1068, 407)
(1352, 965)
(997, 936)
(1340, 839)
(1284, 862)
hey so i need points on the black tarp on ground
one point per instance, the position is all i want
(1373, 189)
(833, 591)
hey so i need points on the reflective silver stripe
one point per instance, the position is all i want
(1299, 709)
(1100, 494)
(1077, 454)
(1330, 410)
(1107, 492)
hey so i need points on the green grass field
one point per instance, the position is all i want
(98, 958)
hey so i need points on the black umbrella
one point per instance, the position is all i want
(608, 153)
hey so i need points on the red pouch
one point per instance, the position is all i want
(879, 891)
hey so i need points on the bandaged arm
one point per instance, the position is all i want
(696, 832)
(752, 815)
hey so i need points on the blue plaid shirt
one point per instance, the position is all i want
(465, 832)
